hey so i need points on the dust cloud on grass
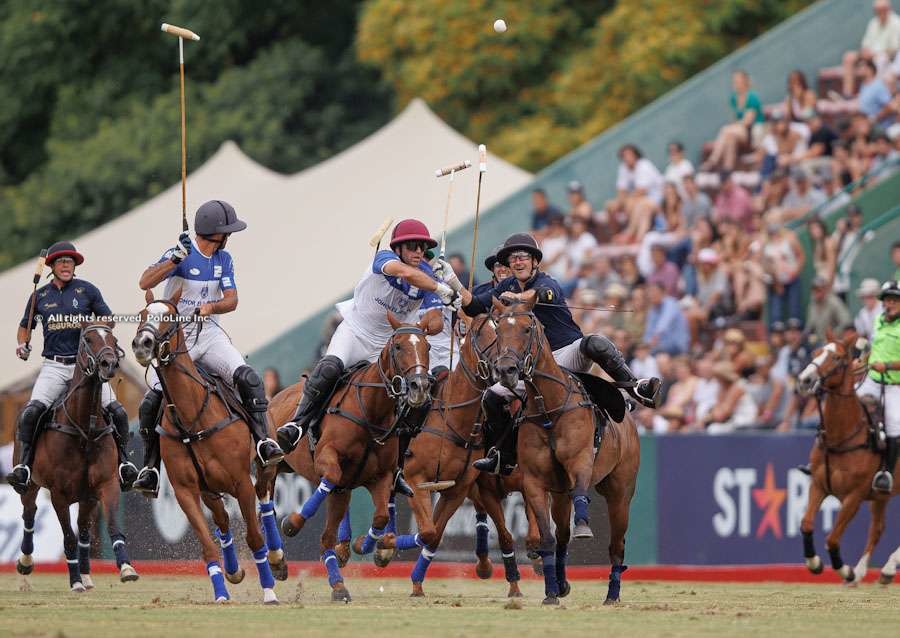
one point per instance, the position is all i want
(452, 608)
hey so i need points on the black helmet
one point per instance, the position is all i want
(890, 288)
(491, 260)
(63, 249)
(519, 241)
(215, 217)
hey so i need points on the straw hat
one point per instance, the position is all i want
(725, 370)
(869, 288)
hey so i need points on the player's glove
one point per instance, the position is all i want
(23, 350)
(444, 271)
(449, 297)
(182, 248)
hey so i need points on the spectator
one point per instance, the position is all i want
(271, 382)
(802, 198)
(644, 364)
(579, 251)
(868, 293)
(636, 321)
(678, 167)
(817, 157)
(667, 329)
(694, 202)
(629, 272)
(734, 408)
(748, 115)
(825, 311)
(800, 103)
(681, 393)
(733, 203)
(783, 260)
(836, 194)
(782, 147)
(748, 289)
(880, 41)
(664, 271)
(779, 349)
(824, 249)
(711, 296)
(579, 206)
(553, 245)
(639, 187)
(848, 239)
(615, 298)
(798, 411)
(895, 258)
(542, 211)
(458, 263)
(874, 100)
(590, 321)
(768, 392)
(734, 349)
(706, 390)
(670, 419)
(601, 276)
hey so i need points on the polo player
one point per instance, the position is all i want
(61, 305)
(204, 271)
(571, 348)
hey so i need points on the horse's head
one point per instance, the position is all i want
(830, 365)
(98, 351)
(477, 344)
(157, 334)
(518, 342)
(405, 358)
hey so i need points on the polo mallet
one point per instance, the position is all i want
(181, 33)
(451, 171)
(375, 239)
(38, 273)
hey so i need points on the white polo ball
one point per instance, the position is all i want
(499, 25)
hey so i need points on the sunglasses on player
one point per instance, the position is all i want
(415, 246)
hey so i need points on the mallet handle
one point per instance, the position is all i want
(181, 32)
(375, 240)
(38, 271)
(447, 170)
(482, 158)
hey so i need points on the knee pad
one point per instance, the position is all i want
(28, 419)
(597, 346)
(246, 376)
(119, 419)
(250, 387)
(325, 375)
(148, 412)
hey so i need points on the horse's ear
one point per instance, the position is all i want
(829, 335)
(177, 296)
(148, 296)
(529, 298)
(432, 322)
(392, 319)
(499, 308)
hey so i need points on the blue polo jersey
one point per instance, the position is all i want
(202, 278)
(559, 326)
(61, 311)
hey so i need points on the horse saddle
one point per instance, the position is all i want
(226, 390)
(605, 396)
(316, 421)
(46, 422)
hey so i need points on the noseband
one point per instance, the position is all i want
(88, 362)
(396, 385)
(525, 360)
(162, 348)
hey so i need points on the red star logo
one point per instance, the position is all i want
(769, 498)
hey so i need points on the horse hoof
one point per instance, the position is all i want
(383, 557)
(340, 595)
(564, 589)
(815, 565)
(87, 581)
(25, 564)
(269, 597)
(846, 572)
(78, 587)
(514, 591)
(342, 551)
(279, 569)
(358, 545)
(127, 573)
(484, 568)
(611, 601)
(582, 530)
(886, 579)
(236, 577)
(550, 600)
(417, 591)
(291, 525)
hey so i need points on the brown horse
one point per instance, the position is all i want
(555, 439)
(441, 457)
(843, 459)
(357, 445)
(76, 459)
(206, 447)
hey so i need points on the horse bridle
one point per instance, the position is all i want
(525, 361)
(89, 366)
(396, 387)
(162, 349)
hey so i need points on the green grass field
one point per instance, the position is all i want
(179, 606)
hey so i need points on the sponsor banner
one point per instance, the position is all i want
(740, 499)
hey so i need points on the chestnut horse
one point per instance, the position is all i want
(441, 457)
(205, 446)
(555, 439)
(358, 445)
(843, 459)
(76, 459)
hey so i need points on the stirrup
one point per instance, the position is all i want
(287, 440)
(490, 463)
(19, 486)
(276, 455)
(145, 471)
(401, 486)
(888, 479)
(653, 385)
(122, 480)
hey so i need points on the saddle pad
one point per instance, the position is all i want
(604, 394)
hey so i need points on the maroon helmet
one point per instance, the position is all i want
(63, 249)
(411, 230)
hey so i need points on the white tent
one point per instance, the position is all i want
(307, 236)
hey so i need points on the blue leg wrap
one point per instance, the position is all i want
(261, 558)
(270, 526)
(218, 580)
(481, 534)
(561, 556)
(331, 566)
(371, 538)
(344, 531)
(312, 504)
(84, 551)
(408, 541)
(392, 516)
(615, 581)
(228, 551)
(28, 535)
(418, 572)
(118, 545)
(581, 502)
(510, 567)
(551, 586)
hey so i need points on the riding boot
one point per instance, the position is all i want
(604, 352)
(500, 459)
(25, 428)
(147, 481)
(317, 389)
(119, 418)
(884, 479)
(253, 396)
(400, 485)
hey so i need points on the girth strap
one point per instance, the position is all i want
(65, 428)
